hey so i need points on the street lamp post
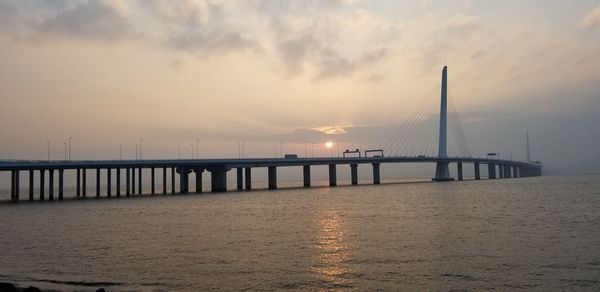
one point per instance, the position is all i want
(65, 150)
(136, 150)
(70, 138)
(192, 145)
(197, 157)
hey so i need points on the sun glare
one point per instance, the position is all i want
(329, 144)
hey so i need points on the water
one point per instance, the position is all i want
(531, 233)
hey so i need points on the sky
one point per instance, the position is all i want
(295, 74)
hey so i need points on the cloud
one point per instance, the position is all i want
(591, 20)
(88, 20)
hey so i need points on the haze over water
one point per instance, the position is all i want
(529, 233)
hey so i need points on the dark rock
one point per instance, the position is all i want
(32, 289)
(101, 290)
(7, 287)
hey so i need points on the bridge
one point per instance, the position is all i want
(179, 170)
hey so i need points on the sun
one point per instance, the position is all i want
(329, 144)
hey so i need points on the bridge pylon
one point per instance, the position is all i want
(442, 171)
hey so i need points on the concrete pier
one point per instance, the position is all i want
(218, 179)
(248, 177)
(127, 182)
(332, 175)
(132, 181)
(272, 174)
(183, 180)
(376, 174)
(240, 178)
(31, 178)
(354, 173)
(172, 180)
(152, 187)
(164, 180)
(78, 184)
(477, 170)
(51, 184)
(198, 172)
(459, 170)
(118, 181)
(501, 172)
(306, 175)
(140, 181)
(84, 183)
(60, 183)
(108, 182)
(42, 187)
(491, 171)
(97, 182)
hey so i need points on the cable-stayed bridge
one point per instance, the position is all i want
(423, 138)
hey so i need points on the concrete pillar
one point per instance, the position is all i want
(108, 182)
(459, 170)
(240, 178)
(501, 170)
(218, 179)
(42, 187)
(127, 182)
(97, 182)
(306, 175)
(354, 173)
(140, 181)
(477, 170)
(272, 173)
(198, 172)
(118, 181)
(172, 180)
(164, 180)
(376, 174)
(60, 183)
(516, 171)
(133, 180)
(152, 180)
(248, 177)
(332, 175)
(78, 185)
(84, 183)
(491, 171)
(507, 169)
(183, 180)
(51, 184)
(12, 184)
(31, 185)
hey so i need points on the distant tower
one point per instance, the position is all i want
(528, 151)
(442, 173)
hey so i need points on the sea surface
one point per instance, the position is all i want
(531, 233)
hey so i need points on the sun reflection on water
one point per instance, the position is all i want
(333, 251)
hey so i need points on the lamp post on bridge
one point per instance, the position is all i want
(70, 138)
(197, 157)
(192, 145)
(65, 150)
(136, 150)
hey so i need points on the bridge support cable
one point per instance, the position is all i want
(403, 140)
(396, 138)
(456, 128)
(411, 143)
